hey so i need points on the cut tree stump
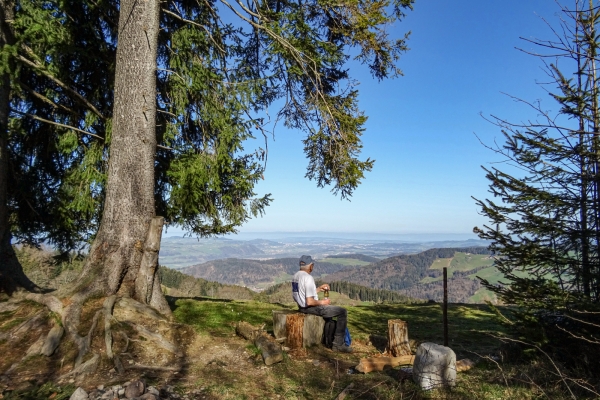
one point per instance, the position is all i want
(269, 348)
(371, 364)
(299, 330)
(397, 338)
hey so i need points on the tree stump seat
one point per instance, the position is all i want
(299, 330)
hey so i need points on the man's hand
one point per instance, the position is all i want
(323, 287)
(325, 302)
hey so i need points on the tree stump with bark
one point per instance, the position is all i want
(398, 344)
(299, 330)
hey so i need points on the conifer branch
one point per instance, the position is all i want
(46, 99)
(50, 76)
(72, 127)
(187, 21)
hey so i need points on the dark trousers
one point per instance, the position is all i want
(331, 312)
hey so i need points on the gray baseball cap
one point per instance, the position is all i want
(306, 260)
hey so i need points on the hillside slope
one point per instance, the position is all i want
(401, 272)
(257, 273)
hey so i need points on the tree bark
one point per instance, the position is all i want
(128, 232)
(294, 327)
(398, 338)
(12, 277)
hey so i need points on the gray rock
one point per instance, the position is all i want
(79, 394)
(134, 389)
(148, 396)
(109, 394)
(95, 394)
(121, 392)
(434, 366)
(153, 390)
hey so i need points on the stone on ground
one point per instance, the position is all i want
(134, 389)
(79, 394)
(434, 366)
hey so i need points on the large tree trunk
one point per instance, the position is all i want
(127, 233)
(12, 278)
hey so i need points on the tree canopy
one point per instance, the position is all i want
(221, 67)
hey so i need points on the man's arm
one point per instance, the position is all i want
(311, 302)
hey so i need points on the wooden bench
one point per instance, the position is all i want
(298, 329)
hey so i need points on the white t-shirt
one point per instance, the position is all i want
(303, 286)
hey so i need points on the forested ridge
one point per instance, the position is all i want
(403, 271)
(189, 286)
(251, 272)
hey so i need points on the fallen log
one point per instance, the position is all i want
(370, 364)
(464, 365)
(269, 348)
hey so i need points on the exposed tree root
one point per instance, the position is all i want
(122, 317)
(109, 303)
(158, 339)
(88, 367)
(153, 368)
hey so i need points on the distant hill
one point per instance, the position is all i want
(420, 275)
(403, 271)
(178, 284)
(417, 276)
(256, 273)
(342, 293)
(360, 257)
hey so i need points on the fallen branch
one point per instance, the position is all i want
(370, 364)
(344, 392)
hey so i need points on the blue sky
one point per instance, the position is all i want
(421, 128)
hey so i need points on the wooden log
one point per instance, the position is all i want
(312, 330)
(397, 338)
(269, 348)
(464, 365)
(370, 364)
(246, 331)
(294, 328)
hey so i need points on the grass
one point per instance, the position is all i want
(323, 374)
(219, 317)
(301, 378)
(470, 325)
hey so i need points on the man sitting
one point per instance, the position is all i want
(305, 292)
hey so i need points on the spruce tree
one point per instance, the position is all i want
(545, 211)
(149, 127)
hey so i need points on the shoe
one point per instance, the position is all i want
(341, 348)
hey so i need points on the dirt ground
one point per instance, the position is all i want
(198, 365)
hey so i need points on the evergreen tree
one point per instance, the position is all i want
(545, 218)
(188, 90)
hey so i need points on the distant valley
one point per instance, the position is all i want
(181, 252)
(417, 276)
